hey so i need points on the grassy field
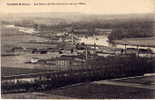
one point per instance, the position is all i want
(7, 71)
(11, 37)
(32, 95)
(95, 90)
(15, 64)
(149, 80)
(100, 91)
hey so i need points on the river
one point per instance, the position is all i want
(102, 40)
(23, 29)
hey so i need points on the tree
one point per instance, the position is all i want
(117, 34)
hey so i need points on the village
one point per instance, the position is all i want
(66, 47)
(37, 58)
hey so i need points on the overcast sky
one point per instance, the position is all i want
(91, 7)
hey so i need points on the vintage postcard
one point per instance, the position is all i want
(77, 49)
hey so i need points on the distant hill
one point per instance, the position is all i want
(131, 25)
(78, 17)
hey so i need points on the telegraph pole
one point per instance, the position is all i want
(86, 55)
(72, 37)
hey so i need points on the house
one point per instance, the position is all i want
(66, 62)
(34, 60)
(103, 31)
(145, 52)
(103, 54)
(39, 51)
(17, 50)
(131, 51)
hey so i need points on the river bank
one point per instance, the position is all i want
(148, 42)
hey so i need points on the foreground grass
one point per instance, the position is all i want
(6, 71)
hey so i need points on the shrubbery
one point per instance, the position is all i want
(132, 30)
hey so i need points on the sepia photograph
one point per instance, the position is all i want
(77, 49)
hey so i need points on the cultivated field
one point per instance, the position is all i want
(12, 37)
(16, 63)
